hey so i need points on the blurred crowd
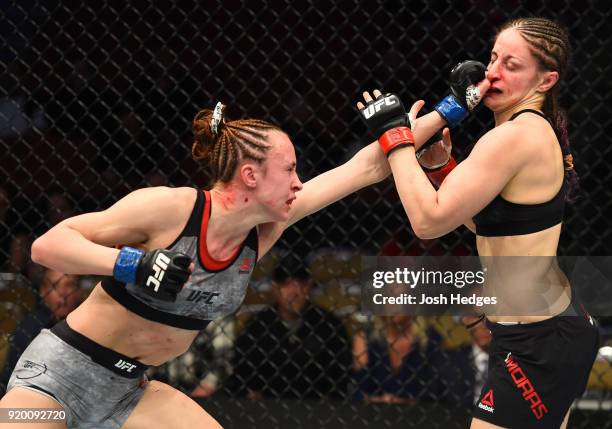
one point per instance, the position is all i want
(300, 333)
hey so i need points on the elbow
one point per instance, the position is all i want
(424, 232)
(40, 250)
(427, 228)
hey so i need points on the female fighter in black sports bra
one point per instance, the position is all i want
(511, 192)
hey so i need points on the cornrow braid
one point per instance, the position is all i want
(549, 44)
(233, 142)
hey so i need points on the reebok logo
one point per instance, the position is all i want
(124, 366)
(487, 403)
(522, 382)
(375, 107)
(160, 266)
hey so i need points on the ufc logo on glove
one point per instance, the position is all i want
(160, 266)
(388, 100)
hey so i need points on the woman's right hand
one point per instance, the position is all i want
(436, 154)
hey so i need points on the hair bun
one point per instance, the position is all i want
(204, 137)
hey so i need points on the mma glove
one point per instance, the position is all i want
(464, 95)
(161, 273)
(436, 160)
(387, 120)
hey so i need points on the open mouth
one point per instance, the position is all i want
(493, 91)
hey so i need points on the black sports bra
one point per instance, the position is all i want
(502, 217)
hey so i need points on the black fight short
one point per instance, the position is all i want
(536, 370)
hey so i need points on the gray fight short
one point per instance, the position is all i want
(97, 387)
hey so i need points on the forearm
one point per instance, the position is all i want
(66, 250)
(325, 189)
(418, 196)
(426, 126)
(367, 167)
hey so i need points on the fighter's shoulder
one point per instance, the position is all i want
(177, 195)
(182, 195)
(509, 139)
(161, 199)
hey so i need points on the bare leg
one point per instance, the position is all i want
(164, 407)
(18, 397)
(481, 424)
(565, 420)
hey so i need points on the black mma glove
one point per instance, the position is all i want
(465, 95)
(387, 120)
(161, 273)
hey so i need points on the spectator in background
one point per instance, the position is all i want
(18, 254)
(462, 372)
(59, 295)
(293, 349)
(391, 360)
(216, 345)
(19, 239)
(19, 261)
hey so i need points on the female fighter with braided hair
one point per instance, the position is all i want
(511, 192)
(187, 258)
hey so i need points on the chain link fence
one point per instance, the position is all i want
(97, 98)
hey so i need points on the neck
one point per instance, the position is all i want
(233, 215)
(534, 102)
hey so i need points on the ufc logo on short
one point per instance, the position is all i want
(160, 266)
(369, 111)
(128, 367)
